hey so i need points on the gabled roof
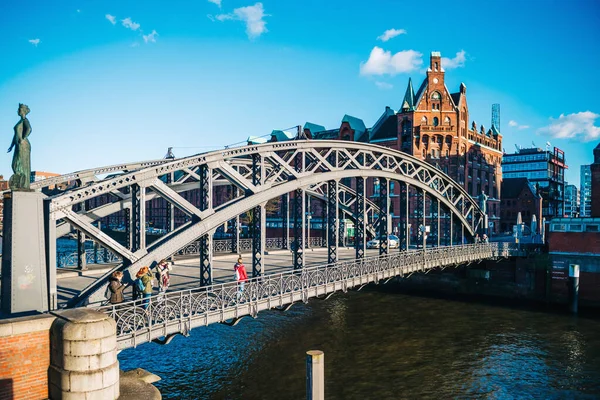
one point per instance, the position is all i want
(256, 140)
(376, 132)
(282, 136)
(356, 124)
(408, 103)
(455, 98)
(512, 187)
(314, 128)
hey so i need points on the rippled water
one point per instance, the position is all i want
(380, 344)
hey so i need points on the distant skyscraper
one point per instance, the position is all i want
(571, 201)
(585, 191)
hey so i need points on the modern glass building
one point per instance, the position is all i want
(585, 208)
(545, 169)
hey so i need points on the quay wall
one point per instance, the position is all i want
(539, 278)
(25, 357)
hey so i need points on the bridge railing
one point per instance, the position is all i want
(105, 256)
(167, 314)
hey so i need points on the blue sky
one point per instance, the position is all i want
(116, 81)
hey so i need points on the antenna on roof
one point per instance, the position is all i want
(517, 147)
(533, 144)
(547, 145)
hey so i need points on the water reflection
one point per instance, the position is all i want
(379, 344)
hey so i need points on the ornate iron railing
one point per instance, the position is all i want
(92, 256)
(178, 312)
(105, 256)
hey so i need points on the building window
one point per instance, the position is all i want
(447, 121)
(424, 120)
(436, 121)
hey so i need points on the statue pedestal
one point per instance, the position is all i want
(24, 280)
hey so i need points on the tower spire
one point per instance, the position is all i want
(408, 104)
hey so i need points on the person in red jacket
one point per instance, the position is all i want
(240, 276)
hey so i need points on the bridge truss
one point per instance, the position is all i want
(336, 173)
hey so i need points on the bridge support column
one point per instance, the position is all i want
(285, 221)
(127, 223)
(451, 228)
(235, 234)
(407, 217)
(424, 219)
(384, 215)
(438, 223)
(332, 221)
(359, 215)
(258, 226)
(83, 356)
(299, 218)
(205, 244)
(81, 259)
(138, 217)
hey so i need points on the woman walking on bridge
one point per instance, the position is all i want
(240, 276)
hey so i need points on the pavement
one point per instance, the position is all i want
(186, 270)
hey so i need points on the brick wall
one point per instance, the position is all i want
(24, 357)
(574, 242)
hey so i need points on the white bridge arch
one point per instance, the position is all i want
(260, 173)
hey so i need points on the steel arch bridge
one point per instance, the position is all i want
(258, 173)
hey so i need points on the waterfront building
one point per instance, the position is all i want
(543, 168)
(3, 186)
(41, 175)
(585, 178)
(519, 195)
(595, 171)
(432, 124)
(571, 201)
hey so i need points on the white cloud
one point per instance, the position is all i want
(151, 37)
(217, 2)
(384, 85)
(382, 62)
(573, 126)
(252, 16)
(128, 23)
(111, 18)
(515, 124)
(456, 62)
(34, 42)
(391, 33)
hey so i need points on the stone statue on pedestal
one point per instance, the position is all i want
(483, 198)
(21, 162)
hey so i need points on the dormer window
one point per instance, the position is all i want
(436, 66)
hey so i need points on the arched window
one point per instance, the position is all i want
(436, 121)
(447, 121)
(406, 127)
(424, 120)
(436, 96)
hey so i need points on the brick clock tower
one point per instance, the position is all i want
(595, 169)
(433, 124)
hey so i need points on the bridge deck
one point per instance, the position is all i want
(180, 311)
(186, 272)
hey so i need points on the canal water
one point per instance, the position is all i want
(381, 344)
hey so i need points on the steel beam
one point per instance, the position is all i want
(332, 221)
(383, 216)
(285, 221)
(138, 217)
(359, 217)
(299, 243)
(50, 238)
(205, 242)
(257, 224)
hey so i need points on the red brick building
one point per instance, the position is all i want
(519, 195)
(433, 124)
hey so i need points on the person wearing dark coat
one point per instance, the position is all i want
(116, 287)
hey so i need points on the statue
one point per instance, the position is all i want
(21, 162)
(483, 202)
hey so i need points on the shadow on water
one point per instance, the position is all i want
(381, 344)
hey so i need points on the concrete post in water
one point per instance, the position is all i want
(83, 356)
(315, 375)
(573, 287)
